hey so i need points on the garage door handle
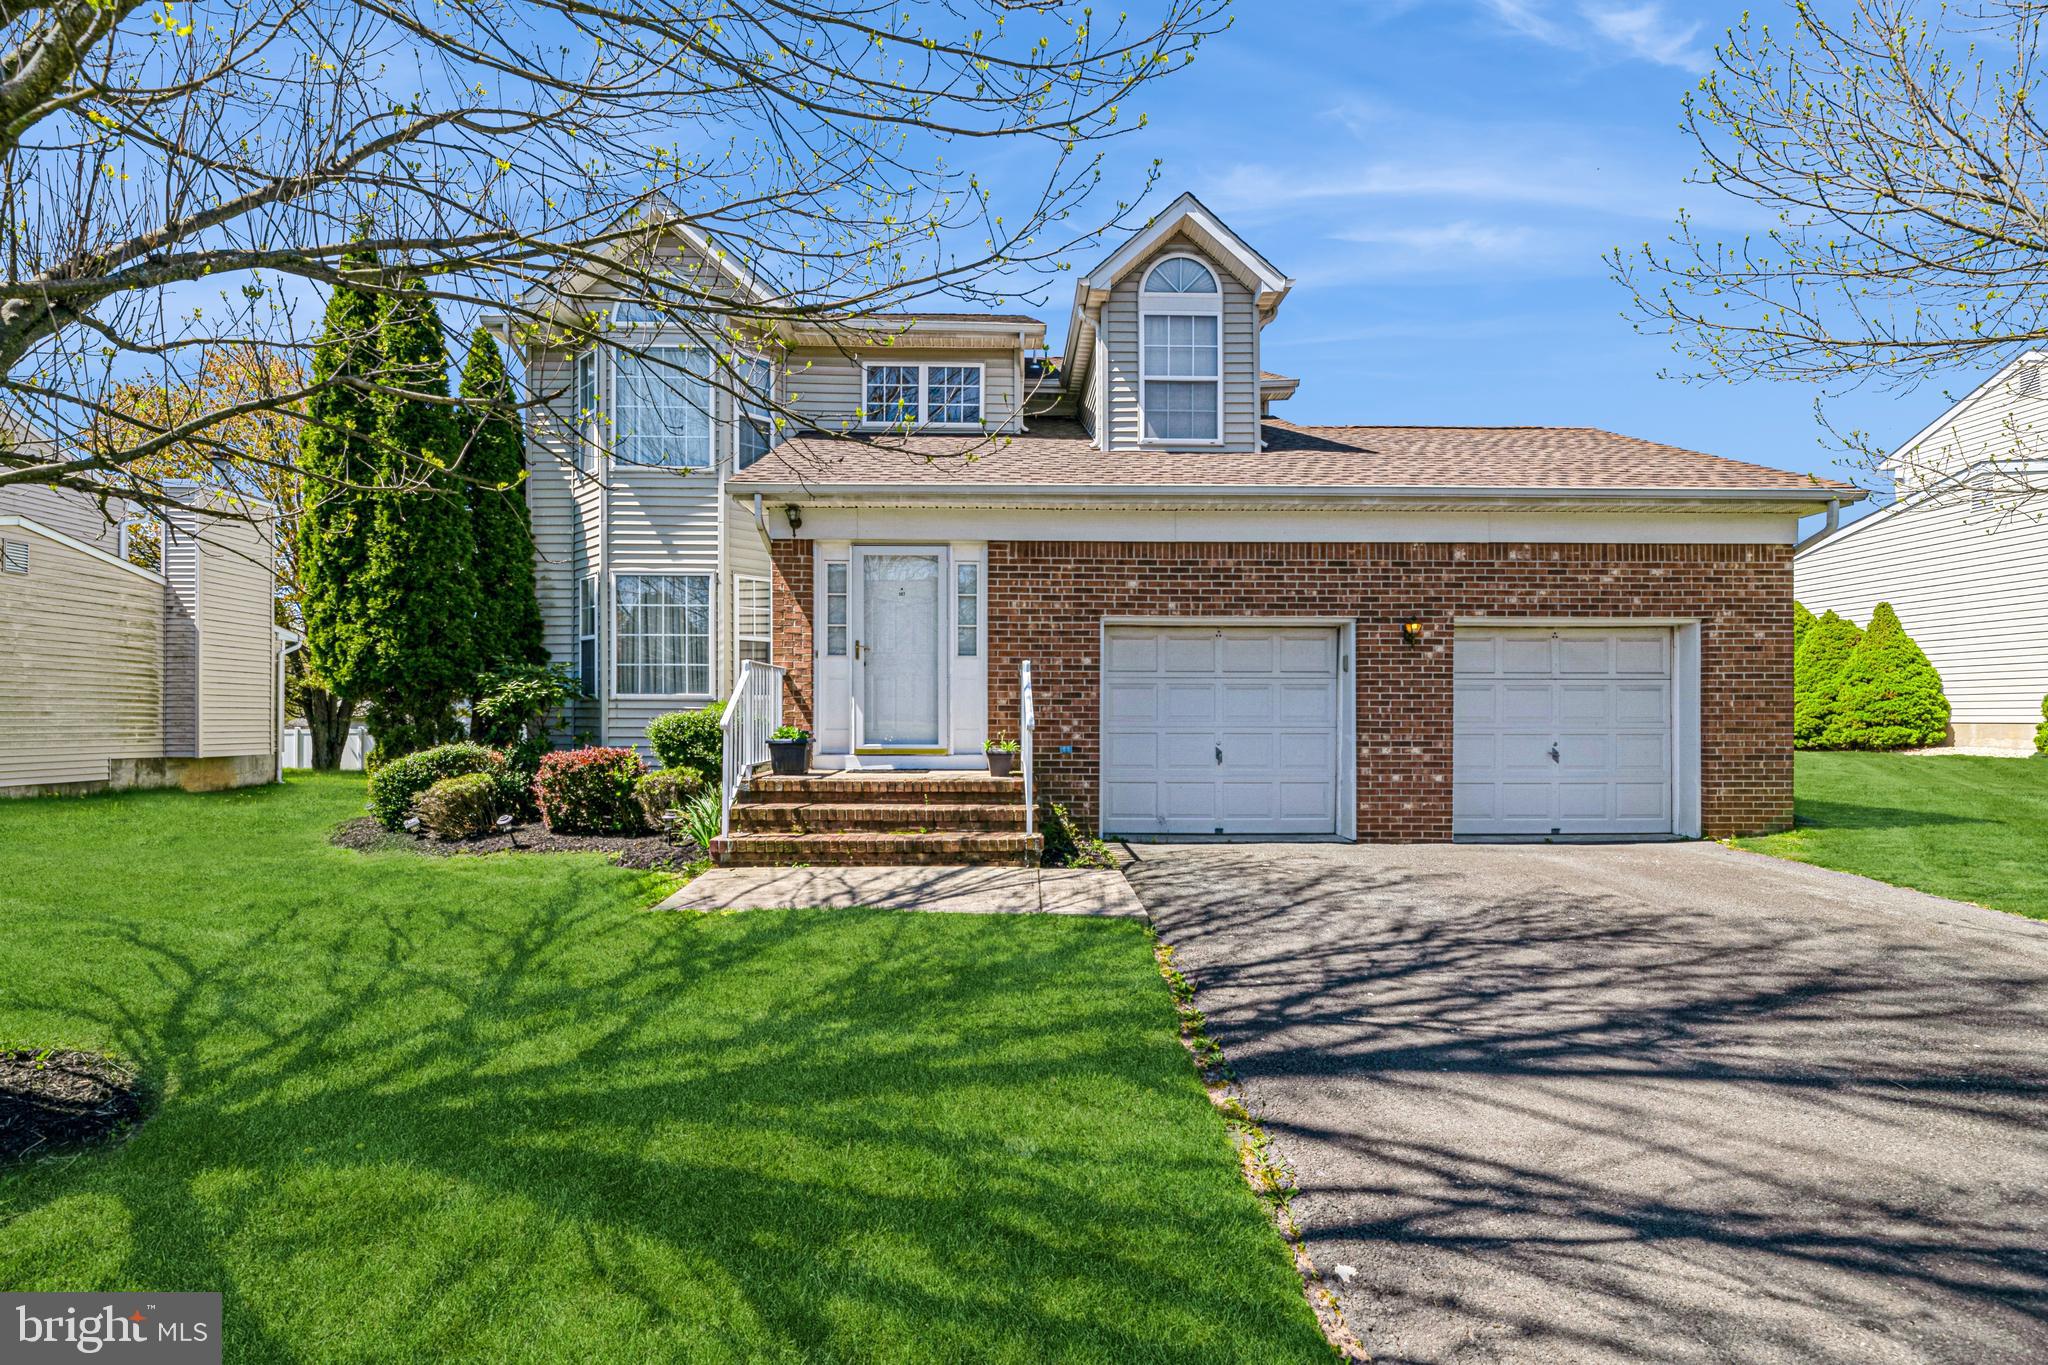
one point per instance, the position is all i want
(1219, 753)
(1553, 753)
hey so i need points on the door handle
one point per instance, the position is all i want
(1553, 754)
(1219, 753)
(856, 651)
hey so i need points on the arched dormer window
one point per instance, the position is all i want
(1180, 370)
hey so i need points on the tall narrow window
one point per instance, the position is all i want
(752, 620)
(1180, 369)
(756, 409)
(586, 410)
(586, 635)
(661, 407)
(662, 637)
(967, 610)
(835, 609)
(891, 398)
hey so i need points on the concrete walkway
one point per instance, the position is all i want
(960, 890)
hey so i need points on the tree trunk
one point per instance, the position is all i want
(328, 717)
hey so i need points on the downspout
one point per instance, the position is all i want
(287, 641)
(1832, 525)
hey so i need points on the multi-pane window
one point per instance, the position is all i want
(891, 395)
(1181, 368)
(586, 635)
(662, 636)
(756, 409)
(967, 609)
(586, 408)
(752, 618)
(952, 394)
(835, 609)
(922, 395)
(661, 406)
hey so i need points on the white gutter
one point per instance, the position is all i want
(1834, 524)
(824, 492)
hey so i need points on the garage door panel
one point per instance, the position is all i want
(1267, 697)
(1602, 697)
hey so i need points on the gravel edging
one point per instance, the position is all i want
(645, 852)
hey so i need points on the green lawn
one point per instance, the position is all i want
(423, 1109)
(1975, 829)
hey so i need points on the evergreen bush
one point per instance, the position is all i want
(397, 784)
(666, 789)
(690, 739)
(1829, 642)
(1888, 695)
(1802, 621)
(2041, 730)
(590, 791)
(460, 807)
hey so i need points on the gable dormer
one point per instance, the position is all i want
(1163, 348)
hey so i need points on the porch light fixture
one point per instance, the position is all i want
(795, 515)
(1411, 631)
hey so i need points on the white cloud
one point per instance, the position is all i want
(1643, 30)
(1461, 238)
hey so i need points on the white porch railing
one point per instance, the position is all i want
(753, 714)
(1029, 721)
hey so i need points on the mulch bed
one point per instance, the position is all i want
(53, 1100)
(653, 852)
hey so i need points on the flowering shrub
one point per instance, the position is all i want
(590, 791)
(396, 785)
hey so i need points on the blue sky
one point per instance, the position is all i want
(1441, 178)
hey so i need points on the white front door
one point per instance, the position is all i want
(1562, 731)
(898, 673)
(1221, 730)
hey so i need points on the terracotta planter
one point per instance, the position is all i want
(1001, 764)
(789, 757)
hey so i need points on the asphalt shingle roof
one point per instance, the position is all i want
(1057, 454)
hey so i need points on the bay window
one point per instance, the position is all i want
(661, 406)
(662, 635)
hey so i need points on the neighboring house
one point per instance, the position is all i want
(116, 676)
(1961, 554)
(1236, 624)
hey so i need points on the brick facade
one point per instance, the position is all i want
(1046, 601)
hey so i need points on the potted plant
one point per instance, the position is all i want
(789, 751)
(1001, 755)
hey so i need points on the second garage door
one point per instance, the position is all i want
(1563, 731)
(1220, 730)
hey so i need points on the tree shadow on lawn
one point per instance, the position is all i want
(1810, 812)
(579, 1131)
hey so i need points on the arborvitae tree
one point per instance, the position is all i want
(337, 467)
(1828, 643)
(1802, 620)
(1887, 696)
(508, 626)
(420, 576)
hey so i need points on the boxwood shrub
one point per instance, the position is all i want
(690, 740)
(591, 791)
(395, 786)
(666, 789)
(461, 807)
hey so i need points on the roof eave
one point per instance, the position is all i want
(820, 492)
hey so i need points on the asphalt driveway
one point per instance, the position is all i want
(1654, 1102)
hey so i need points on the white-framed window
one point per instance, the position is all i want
(586, 634)
(967, 608)
(586, 410)
(756, 408)
(1180, 367)
(661, 406)
(753, 617)
(661, 638)
(896, 395)
(835, 608)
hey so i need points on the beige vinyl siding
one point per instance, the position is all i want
(65, 512)
(237, 642)
(81, 659)
(825, 385)
(746, 556)
(181, 646)
(1971, 588)
(1121, 354)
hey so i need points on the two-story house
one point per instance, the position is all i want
(1236, 624)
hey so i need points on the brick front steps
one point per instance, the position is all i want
(880, 819)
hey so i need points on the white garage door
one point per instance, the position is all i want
(1563, 731)
(1210, 730)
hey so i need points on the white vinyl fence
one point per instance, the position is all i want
(298, 747)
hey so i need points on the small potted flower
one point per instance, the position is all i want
(789, 751)
(1001, 755)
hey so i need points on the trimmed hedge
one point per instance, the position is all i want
(1887, 696)
(666, 789)
(590, 791)
(1826, 648)
(461, 807)
(395, 786)
(690, 739)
